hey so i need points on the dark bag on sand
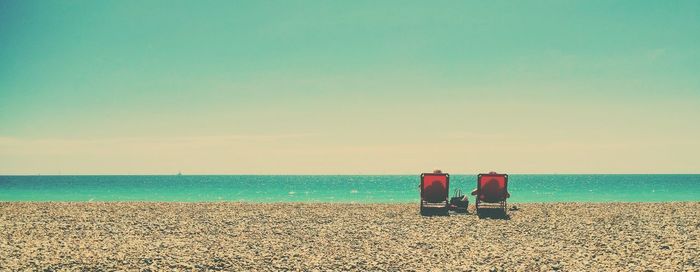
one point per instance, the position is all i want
(459, 202)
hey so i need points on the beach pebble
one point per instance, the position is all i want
(356, 237)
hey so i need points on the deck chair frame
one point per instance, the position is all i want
(442, 206)
(501, 204)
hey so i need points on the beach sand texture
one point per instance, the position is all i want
(259, 237)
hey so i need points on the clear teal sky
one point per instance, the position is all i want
(349, 86)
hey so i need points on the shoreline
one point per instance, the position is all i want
(246, 202)
(233, 236)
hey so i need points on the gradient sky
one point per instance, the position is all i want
(349, 87)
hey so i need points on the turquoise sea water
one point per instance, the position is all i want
(361, 189)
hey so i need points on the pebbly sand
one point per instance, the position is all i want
(254, 237)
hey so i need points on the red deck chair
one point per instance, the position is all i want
(491, 191)
(434, 192)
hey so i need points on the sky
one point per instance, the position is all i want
(349, 87)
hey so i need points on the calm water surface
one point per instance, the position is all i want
(361, 189)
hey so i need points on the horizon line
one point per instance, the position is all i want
(324, 174)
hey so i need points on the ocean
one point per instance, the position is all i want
(341, 188)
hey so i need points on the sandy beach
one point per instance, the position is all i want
(386, 237)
